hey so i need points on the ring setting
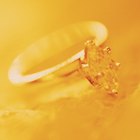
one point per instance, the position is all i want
(99, 67)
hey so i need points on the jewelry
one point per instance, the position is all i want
(99, 68)
(55, 51)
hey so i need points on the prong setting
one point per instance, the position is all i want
(99, 67)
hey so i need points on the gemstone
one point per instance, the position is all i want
(100, 69)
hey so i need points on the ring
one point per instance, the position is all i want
(53, 52)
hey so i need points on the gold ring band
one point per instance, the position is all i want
(58, 49)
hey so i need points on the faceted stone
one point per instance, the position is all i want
(100, 69)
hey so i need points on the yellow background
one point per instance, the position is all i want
(22, 23)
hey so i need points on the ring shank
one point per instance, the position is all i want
(55, 51)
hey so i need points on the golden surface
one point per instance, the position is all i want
(33, 112)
